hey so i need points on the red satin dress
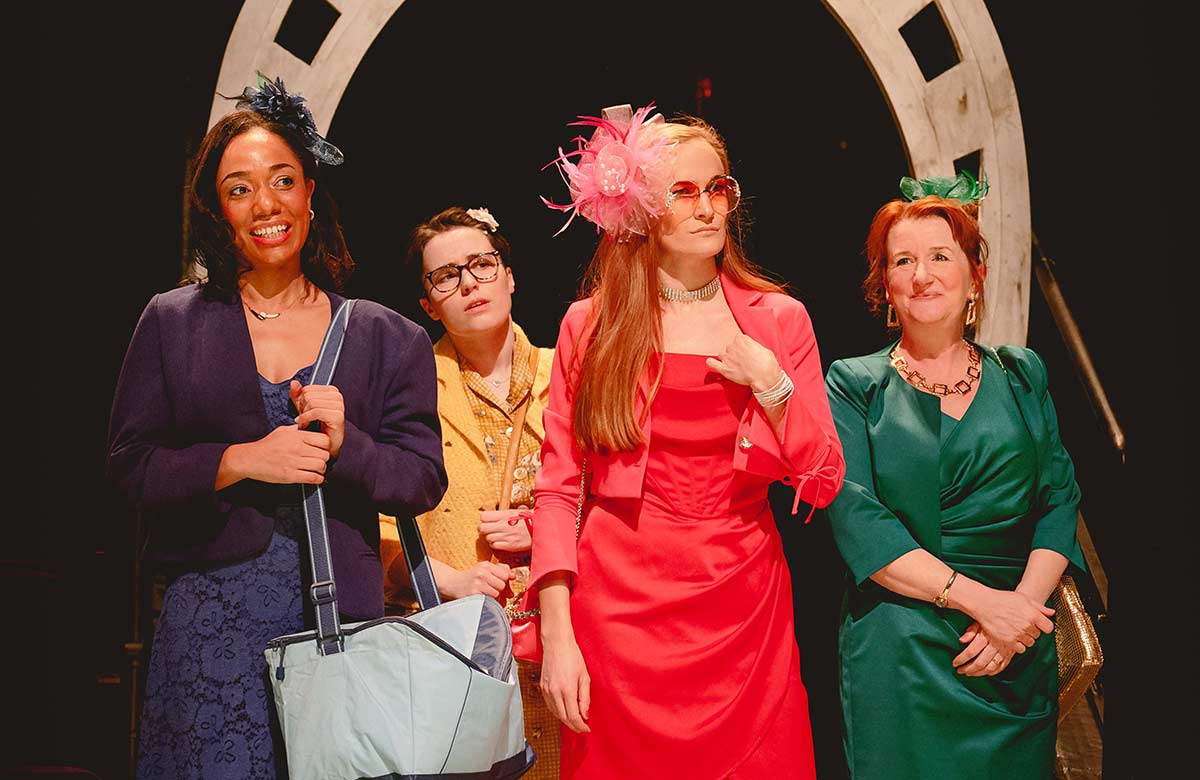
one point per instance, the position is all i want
(683, 609)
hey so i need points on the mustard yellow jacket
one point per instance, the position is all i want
(451, 529)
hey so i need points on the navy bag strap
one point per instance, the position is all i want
(418, 564)
(323, 590)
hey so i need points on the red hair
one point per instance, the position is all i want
(625, 324)
(963, 220)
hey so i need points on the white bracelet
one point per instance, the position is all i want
(777, 393)
(774, 389)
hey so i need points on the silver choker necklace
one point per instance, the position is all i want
(688, 296)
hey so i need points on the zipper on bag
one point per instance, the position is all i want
(308, 636)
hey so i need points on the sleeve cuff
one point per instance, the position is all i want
(182, 475)
(1056, 531)
(353, 458)
(554, 542)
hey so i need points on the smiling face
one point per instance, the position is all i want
(474, 307)
(264, 198)
(929, 278)
(698, 233)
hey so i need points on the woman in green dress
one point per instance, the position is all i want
(957, 516)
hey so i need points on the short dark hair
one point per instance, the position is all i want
(442, 222)
(325, 258)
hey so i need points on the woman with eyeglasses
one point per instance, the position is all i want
(492, 387)
(685, 382)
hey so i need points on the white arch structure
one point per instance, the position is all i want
(969, 107)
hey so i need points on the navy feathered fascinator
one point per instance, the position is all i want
(274, 102)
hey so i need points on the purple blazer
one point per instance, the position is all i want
(189, 388)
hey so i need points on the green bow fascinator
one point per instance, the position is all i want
(963, 188)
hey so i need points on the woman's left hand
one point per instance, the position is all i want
(321, 403)
(747, 362)
(506, 529)
(980, 658)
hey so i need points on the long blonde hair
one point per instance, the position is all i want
(624, 328)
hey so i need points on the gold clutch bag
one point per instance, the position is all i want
(1079, 654)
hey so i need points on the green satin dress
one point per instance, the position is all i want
(980, 494)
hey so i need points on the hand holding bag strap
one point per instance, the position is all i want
(323, 591)
(415, 558)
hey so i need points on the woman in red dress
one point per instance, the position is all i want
(684, 383)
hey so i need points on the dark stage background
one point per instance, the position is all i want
(463, 102)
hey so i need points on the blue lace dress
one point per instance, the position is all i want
(209, 712)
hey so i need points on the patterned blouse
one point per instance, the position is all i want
(495, 419)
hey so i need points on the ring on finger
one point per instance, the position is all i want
(996, 659)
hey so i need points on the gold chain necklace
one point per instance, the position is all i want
(914, 377)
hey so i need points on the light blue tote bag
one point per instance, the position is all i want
(431, 695)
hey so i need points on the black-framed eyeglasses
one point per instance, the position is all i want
(723, 192)
(484, 266)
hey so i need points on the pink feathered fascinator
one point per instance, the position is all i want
(622, 173)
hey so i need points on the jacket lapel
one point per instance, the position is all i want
(453, 406)
(223, 361)
(1029, 406)
(541, 389)
(757, 322)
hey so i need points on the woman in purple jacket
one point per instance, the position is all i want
(209, 439)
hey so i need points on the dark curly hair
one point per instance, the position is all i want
(446, 220)
(324, 258)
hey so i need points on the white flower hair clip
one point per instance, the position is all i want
(484, 216)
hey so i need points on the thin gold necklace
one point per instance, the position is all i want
(263, 316)
(914, 377)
